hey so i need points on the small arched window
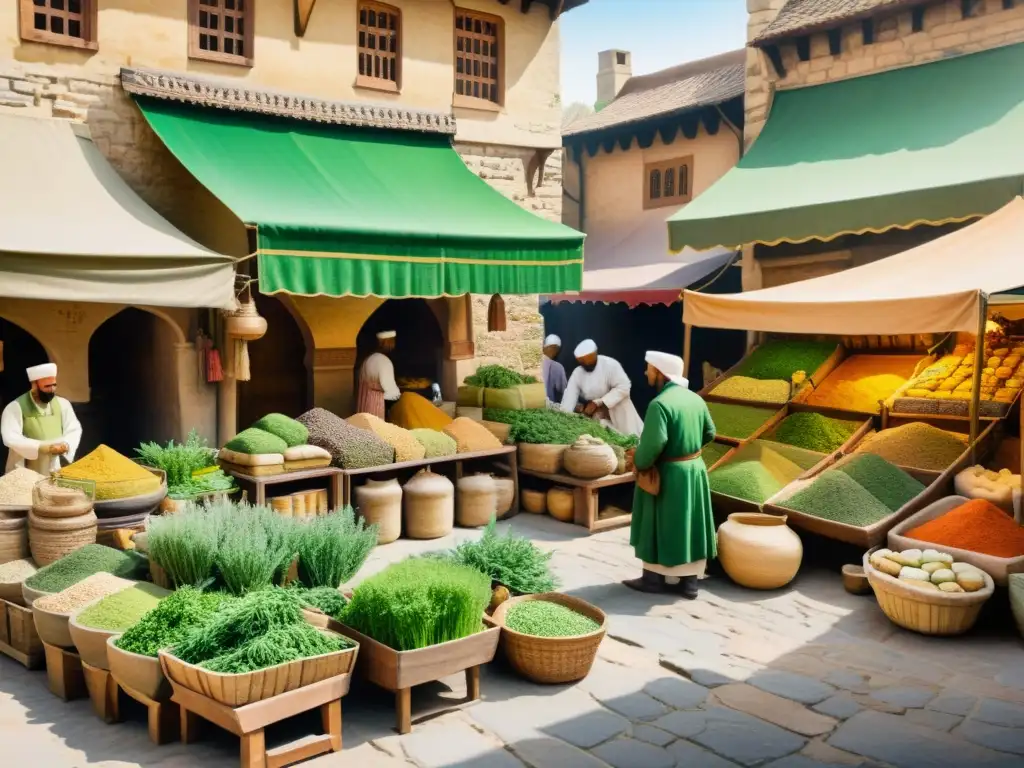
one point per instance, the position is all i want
(654, 191)
(668, 182)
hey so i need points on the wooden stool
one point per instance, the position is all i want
(64, 673)
(163, 716)
(103, 692)
(249, 722)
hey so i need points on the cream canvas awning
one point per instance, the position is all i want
(71, 229)
(934, 287)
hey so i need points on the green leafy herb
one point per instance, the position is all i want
(256, 546)
(544, 425)
(180, 461)
(185, 544)
(171, 620)
(511, 560)
(332, 548)
(498, 377)
(329, 601)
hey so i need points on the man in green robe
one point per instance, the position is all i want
(673, 531)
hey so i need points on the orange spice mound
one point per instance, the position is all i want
(977, 526)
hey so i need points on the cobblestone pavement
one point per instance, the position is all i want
(804, 677)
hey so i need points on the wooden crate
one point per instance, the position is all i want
(822, 371)
(18, 636)
(587, 509)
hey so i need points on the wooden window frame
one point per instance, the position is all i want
(379, 83)
(476, 102)
(200, 54)
(661, 167)
(88, 41)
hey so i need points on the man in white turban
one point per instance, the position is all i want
(39, 427)
(599, 388)
(377, 377)
(672, 530)
(552, 370)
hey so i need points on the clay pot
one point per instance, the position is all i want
(429, 506)
(533, 501)
(476, 501)
(380, 502)
(759, 551)
(561, 504)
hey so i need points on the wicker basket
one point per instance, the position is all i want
(537, 457)
(551, 659)
(505, 488)
(561, 504)
(476, 501)
(380, 502)
(534, 501)
(429, 504)
(589, 458)
(51, 538)
(912, 608)
(14, 539)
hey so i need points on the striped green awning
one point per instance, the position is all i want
(345, 211)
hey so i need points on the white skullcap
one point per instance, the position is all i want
(552, 341)
(44, 371)
(386, 335)
(670, 365)
(584, 348)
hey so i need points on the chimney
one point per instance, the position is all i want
(614, 68)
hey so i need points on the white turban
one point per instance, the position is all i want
(584, 348)
(670, 365)
(44, 371)
(552, 341)
(386, 335)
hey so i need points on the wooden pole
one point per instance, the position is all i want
(687, 335)
(979, 364)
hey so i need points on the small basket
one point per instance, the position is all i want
(561, 503)
(941, 613)
(589, 460)
(535, 502)
(537, 457)
(51, 538)
(551, 660)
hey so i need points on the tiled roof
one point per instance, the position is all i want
(800, 17)
(673, 90)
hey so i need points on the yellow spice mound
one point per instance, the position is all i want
(861, 381)
(471, 436)
(407, 447)
(414, 411)
(116, 476)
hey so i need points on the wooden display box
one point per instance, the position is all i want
(18, 636)
(822, 371)
(163, 718)
(587, 507)
(249, 722)
(805, 396)
(399, 671)
(778, 413)
(255, 487)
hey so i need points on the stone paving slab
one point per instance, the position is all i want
(630, 753)
(788, 685)
(774, 709)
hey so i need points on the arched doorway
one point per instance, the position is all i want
(280, 381)
(133, 384)
(21, 350)
(419, 346)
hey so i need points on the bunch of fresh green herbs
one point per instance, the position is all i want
(165, 625)
(543, 425)
(418, 603)
(183, 463)
(498, 377)
(256, 546)
(325, 599)
(333, 547)
(512, 560)
(185, 544)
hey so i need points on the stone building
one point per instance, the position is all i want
(480, 75)
(871, 126)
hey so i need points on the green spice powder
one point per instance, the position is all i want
(543, 619)
(813, 432)
(836, 496)
(712, 452)
(90, 559)
(781, 359)
(750, 480)
(123, 609)
(887, 483)
(916, 445)
(738, 421)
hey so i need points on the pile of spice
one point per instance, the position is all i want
(84, 592)
(756, 390)
(471, 436)
(84, 562)
(916, 445)
(16, 487)
(713, 451)
(838, 497)
(780, 359)
(171, 620)
(435, 443)
(738, 421)
(116, 476)
(755, 473)
(350, 447)
(414, 411)
(16, 571)
(977, 526)
(407, 447)
(862, 381)
(886, 482)
(541, 618)
(813, 432)
(123, 609)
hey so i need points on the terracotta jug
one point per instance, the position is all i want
(759, 551)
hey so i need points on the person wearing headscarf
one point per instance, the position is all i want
(39, 427)
(377, 377)
(599, 388)
(672, 530)
(552, 370)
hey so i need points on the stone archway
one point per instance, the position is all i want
(20, 351)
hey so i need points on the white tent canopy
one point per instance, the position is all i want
(935, 287)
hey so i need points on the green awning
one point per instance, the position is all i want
(930, 144)
(352, 211)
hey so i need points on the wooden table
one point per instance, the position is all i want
(586, 501)
(256, 487)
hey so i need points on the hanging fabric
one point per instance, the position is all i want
(496, 320)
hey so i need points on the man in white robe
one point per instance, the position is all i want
(599, 388)
(39, 427)
(377, 377)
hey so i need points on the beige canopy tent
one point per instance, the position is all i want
(71, 229)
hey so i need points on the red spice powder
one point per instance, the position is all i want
(977, 526)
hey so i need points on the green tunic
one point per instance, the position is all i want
(676, 526)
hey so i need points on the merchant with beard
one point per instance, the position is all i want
(40, 427)
(599, 389)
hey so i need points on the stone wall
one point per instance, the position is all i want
(945, 33)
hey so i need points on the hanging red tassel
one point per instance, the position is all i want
(496, 320)
(214, 369)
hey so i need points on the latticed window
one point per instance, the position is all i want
(668, 182)
(380, 46)
(221, 30)
(478, 52)
(60, 22)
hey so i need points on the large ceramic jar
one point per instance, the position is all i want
(429, 501)
(759, 551)
(380, 502)
(476, 501)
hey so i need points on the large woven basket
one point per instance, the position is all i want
(589, 461)
(539, 457)
(428, 502)
(534, 501)
(51, 538)
(476, 501)
(551, 660)
(14, 539)
(938, 613)
(380, 503)
(561, 503)
(506, 492)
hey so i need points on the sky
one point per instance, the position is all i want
(659, 34)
